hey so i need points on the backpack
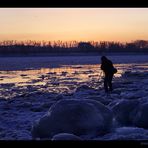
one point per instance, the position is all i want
(114, 70)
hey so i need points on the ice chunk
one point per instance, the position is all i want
(66, 136)
(79, 117)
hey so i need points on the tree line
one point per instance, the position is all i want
(32, 47)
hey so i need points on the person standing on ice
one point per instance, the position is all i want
(109, 70)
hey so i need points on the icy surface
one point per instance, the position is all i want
(30, 86)
(66, 136)
(20, 63)
(80, 117)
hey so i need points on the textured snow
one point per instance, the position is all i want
(66, 136)
(19, 63)
(26, 96)
(126, 133)
(79, 117)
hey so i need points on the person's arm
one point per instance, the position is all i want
(102, 67)
(111, 64)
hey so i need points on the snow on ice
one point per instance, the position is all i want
(74, 96)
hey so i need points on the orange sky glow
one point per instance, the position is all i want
(80, 24)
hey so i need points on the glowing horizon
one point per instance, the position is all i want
(80, 24)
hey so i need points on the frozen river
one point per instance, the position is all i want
(30, 86)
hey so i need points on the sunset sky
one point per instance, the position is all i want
(81, 24)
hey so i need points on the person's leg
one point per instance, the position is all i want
(106, 84)
(110, 82)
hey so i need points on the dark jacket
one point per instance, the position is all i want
(107, 66)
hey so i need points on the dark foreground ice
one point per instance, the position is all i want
(30, 100)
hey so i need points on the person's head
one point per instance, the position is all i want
(103, 58)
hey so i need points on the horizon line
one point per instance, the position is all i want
(74, 40)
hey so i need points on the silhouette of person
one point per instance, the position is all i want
(107, 67)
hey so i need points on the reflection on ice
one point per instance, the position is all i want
(27, 95)
(62, 79)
